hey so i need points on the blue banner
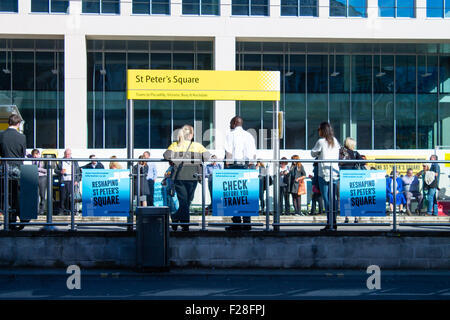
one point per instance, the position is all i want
(235, 192)
(106, 193)
(363, 193)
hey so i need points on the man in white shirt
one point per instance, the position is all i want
(64, 171)
(240, 147)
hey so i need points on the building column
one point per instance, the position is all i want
(421, 9)
(225, 8)
(275, 8)
(176, 8)
(126, 8)
(224, 60)
(324, 8)
(75, 82)
(372, 9)
(24, 7)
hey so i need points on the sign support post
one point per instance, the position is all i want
(130, 151)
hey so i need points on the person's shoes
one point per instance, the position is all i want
(346, 220)
(174, 227)
(418, 212)
(233, 228)
(356, 220)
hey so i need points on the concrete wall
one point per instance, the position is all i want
(305, 250)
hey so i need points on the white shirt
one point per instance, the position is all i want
(240, 144)
(323, 151)
(68, 166)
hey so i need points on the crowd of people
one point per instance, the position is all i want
(183, 174)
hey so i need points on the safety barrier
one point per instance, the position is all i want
(271, 164)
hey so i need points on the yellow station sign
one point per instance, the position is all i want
(203, 85)
(401, 167)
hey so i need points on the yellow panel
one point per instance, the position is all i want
(203, 85)
(401, 167)
(447, 157)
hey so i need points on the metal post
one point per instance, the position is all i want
(5, 199)
(49, 197)
(267, 177)
(331, 199)
(394, 190)
(276, 167)
(203, 197)
(138, 187)
(130, 149)
(72, 200)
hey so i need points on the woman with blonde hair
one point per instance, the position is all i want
(296, 177)
(114, 164)
(187, 172)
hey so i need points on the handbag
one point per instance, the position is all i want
(301, 187)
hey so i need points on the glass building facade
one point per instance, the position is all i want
(385, 96)
(156, 122)
(47, 6)
(250, 7)
(101, 6)
(438, 8)
(298, 8)
(348, 8)
(32, 77)
(201, 7)
(397, 8)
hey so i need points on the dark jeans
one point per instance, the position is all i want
(65, 196)
(325, 191)
(42, 192)
(316, 197)
(185, 192)
(284, 197)
(151, 188)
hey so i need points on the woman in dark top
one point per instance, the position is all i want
(296, 174)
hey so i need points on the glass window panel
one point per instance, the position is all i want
(91, 6)
(60, 6)
(259, 8)
(5, 78)
(46, 100)
(289, 7)
(183, 46)
(295, 103)
(40, 6)
(204, 123)
(23, 90)
(210, 7)
(61, 100)
(317, 95)
(362, 101)
(191, 6)
(183, 61)
(115, 100)
(357, 8)
(161, 61)
(240, 7)
(444, 119)
(447, 8)
(251, 111)
(161, 45)
(406, 8)
(96, 102)
(308, 8)
(23, 44)
(9, 6)
(204, 61)
(435, 9)
(338, 8)
(340, 96)
(111, 6)
(386, 8)
(160, 124)
(383, 102)
(160, 7)
(141, 7)
(183, 113)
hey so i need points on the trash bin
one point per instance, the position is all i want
(152, 238)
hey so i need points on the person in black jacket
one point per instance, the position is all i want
(296, 175)
(13, 145)
(93, 164)
(64, 171)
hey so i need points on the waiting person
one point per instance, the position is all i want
(430, 189)
(240, 150)
(13, 145)
(400, 199)
(327, 147)
(284, 192)
(296, 178)
(186, 171)
(316, 195)
(411, 189)
(42, 171)
(348, 152)
(64, 171)
(436, 169)
(93, 164)
(262, 183)
(169, 188)
(151, 178)
(143, 186)
(114, 164)
(210, 167)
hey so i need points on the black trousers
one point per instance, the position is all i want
(65, 196)
(185, 193)
(284, 197)
(316, 197)
(151, 187)
(42, 191)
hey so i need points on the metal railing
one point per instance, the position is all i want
(276, 223)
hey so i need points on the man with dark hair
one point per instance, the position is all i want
(240, 150)
(13, 145)
(42, 171)
(93, 164)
